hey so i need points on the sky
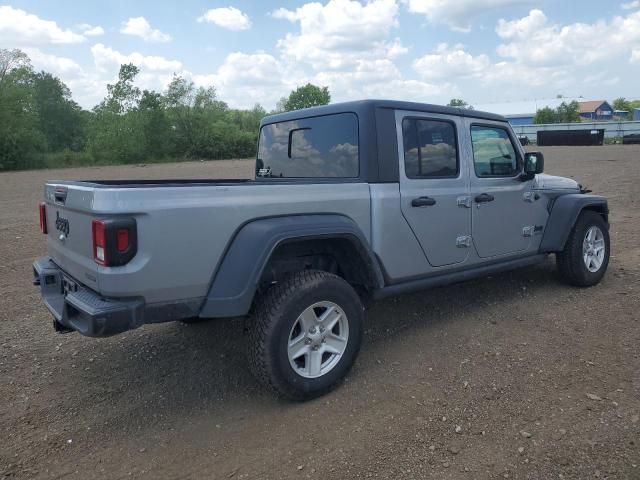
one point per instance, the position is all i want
(484, 51)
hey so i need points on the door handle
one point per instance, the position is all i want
(423, 202)
(484, 198)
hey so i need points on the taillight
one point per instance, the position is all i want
(43, 217)
(114, 241)
(122, 239)
(99, 231)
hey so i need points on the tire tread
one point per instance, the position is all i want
(570, 262)
(268, 309)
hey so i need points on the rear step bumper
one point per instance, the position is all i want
(76, 308)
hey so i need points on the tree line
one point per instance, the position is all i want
(566, 112)
(41, 126)
(570, 112)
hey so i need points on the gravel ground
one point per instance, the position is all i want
(512, 376)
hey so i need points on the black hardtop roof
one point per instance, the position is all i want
(362, 106)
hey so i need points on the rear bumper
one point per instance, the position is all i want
(75, 307)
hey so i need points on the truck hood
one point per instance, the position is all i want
(551, 182)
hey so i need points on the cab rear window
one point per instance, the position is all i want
(317, 147)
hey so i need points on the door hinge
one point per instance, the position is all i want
(528, 197)
(464, 202)
(528, 231)
(463, 242)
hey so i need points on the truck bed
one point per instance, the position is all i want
(187, 182)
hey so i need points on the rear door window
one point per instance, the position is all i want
(430, 148)
(317, 147)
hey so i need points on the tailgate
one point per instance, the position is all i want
(69, 239)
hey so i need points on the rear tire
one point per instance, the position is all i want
(305, 334)
(585, 257)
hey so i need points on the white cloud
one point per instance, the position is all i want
(140, 27)
(340, 33)
(227, 17)
(155, 71)
(537, 56)
(350, 47)
(543, 58)
(250, 69)
(91, 31)
(59, 66)
(245, 79)
(523, 28)
(631, 5)
(381, 79)
(87, 87)
(450, 62)
(635, 56)
(19, 28)
(457, 14)
(106, 58)
(455, 64)
(520, 79)
(534, 40)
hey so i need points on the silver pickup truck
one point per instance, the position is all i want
(350, 203)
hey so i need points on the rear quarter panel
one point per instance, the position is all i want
(183, 232)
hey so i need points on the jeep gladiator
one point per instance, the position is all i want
(350, 203)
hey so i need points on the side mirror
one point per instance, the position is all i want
(533, 163)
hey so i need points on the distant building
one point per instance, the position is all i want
(522, 113)
(521, 119)
(636, 113)
(596, 110)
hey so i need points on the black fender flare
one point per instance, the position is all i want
(563, 216)
(236, 280)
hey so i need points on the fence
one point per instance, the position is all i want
(611, 129)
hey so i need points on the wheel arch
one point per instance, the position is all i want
(259, 246)
(563, 216)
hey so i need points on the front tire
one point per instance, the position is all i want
(585, 257)
(305, 334)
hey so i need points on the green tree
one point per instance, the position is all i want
(545, 115)
(116, 133)
(565, 113)
(459, 103)
(20, 139)
(625, 105)
(193, 113)
(123, 95)
(248, 120)
(280, 106)
(204, 126)
(60, 119)
(153, 121)
(41, 125)
(568, 112)
(622, 104)
(12, 60)
(307, 96)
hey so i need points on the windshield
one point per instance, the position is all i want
(316, 147)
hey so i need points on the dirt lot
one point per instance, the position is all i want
(510, 359)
